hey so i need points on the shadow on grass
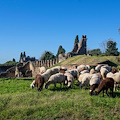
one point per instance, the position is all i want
(116, 94)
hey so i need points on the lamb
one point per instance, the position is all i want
(70, 79)
(107, 83)
(57, 78)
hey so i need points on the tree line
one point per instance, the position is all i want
(111, 50)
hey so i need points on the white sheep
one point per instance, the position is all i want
(104, 72)
(81, 76)
(73, 72)
(116, 77)
(56, 78)
(98, 67)
(91, 79)
(109, 68)
(92, 71)
(70, 79)
(82, 67)
(84, 71)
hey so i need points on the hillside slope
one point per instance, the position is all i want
(91, 60)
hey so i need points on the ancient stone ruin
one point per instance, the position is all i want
(78, 49)
(29, 67)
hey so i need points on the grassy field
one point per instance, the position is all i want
(83, 59)
(19, 101)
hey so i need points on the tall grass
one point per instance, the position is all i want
(18, 101)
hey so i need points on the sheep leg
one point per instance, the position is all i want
(111, 89)
(38, 88)
(80, 86)
(55, 85)
(107, 92)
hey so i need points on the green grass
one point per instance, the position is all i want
(19, 101)
(83, 59)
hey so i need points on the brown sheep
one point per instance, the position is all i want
(39, 81)
(104, 85)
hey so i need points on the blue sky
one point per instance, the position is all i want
(35, 26)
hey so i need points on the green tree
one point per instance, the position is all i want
(61, 50)
(111, 49)
(47, 55)
(94, 52)
(76, 39)
(14, 60)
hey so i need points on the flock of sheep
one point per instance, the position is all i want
(102, 77)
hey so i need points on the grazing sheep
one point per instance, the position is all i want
(104, 72)
(88, 67)
(92, 71)
(81, 76)
(91, 79)
(98, 67)
(73, 72)
(56, 78)
(39, 81)
(94, 82)
(84, 71)
(107, 67)
(107, 83)
(116, 77)
(70, 79)
(82, 67)
(46, 75)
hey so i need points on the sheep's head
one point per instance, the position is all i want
(32, 85)
(95, 93)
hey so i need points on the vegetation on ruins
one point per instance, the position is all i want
(76, 39)
(60, 50)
